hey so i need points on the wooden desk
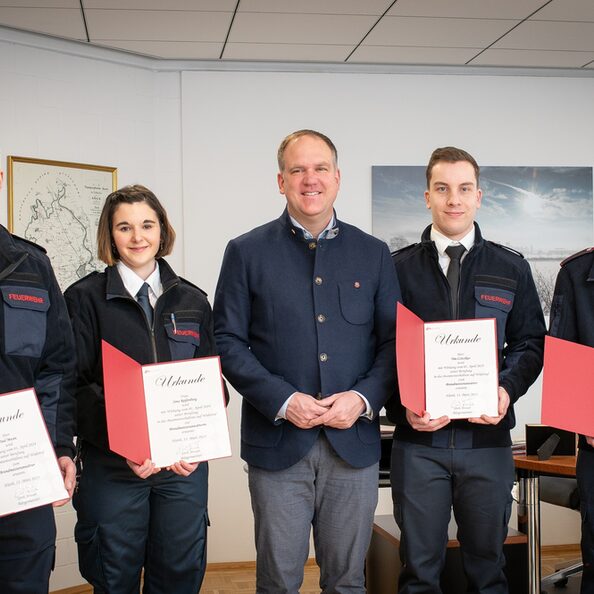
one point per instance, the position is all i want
(528, 470)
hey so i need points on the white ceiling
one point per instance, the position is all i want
(515, 33)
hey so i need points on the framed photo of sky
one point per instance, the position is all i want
(546, 213)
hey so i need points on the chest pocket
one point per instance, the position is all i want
(494, 302)
(356, 301)
(183, 334)
(25, 320)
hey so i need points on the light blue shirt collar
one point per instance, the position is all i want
(330, 232)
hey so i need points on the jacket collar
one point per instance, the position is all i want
(115, 287)
(428, 243)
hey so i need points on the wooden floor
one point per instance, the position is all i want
(226, 578)
(553, 557)
(243, 580)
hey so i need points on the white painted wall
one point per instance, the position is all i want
(206, 141)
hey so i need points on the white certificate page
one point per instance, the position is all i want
(29, 472)
(185, 410)
(461, 378)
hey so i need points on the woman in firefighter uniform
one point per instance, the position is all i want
(136, 516)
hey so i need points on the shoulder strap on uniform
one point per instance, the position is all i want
(403, 249)
(187, 282)
(28, 241)
(577, 255)
(507, 248)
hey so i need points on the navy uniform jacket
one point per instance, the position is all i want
(101, 308)
(309, 316)
(572, 311)
(495, 282)
(36, 350)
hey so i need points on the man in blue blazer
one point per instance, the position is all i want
(304, 322)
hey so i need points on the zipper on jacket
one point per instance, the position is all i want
(152, 328)
(458, 292)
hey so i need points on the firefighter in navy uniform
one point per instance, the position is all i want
(36, 351)
(572, 318)
(465, 465)
(136, 516)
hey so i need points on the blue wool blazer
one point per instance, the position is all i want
(311, 316)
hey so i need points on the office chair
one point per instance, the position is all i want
(563, 492)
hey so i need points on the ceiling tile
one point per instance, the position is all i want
(471, 9)
(41, 3)
(63, 22)
(533, 58)
(286, 52)
(560, 35)
(300, 28)
(442, 32)
(157, 25)
(546, 35)
(567, 10)
(413, 55)
(365, 7)
(190, 5)
(182, 50)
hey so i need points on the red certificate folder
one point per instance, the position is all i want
(567, 385)
(125, 405)
(165, 411)
(410, 359)
(461, 398)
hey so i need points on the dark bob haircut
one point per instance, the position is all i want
(106, 249)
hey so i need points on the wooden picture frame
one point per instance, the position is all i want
(56, 204)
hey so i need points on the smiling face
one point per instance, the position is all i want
(453, 197)
(309, 180)
(136, 233)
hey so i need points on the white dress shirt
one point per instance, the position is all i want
(442, 242)
(132, 282)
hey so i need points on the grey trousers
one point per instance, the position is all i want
(322, 491)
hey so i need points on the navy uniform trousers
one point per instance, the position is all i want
(125, 523)
(27, 551)
(427, 483)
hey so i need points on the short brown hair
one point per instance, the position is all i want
(106, 249)
(450, 154)
(280, 155)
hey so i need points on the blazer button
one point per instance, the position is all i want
(318, 280)
(323, 357)
(321, 318)
(312, 245)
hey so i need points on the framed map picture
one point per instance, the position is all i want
(57, 205)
